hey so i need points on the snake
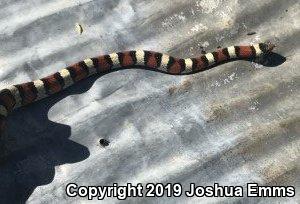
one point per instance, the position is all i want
(15, 96)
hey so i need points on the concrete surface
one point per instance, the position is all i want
(234, 124)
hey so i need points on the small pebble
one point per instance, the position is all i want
(78, 28)
(104, 142)
(251, 33)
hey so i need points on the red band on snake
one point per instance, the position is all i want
(23, 94)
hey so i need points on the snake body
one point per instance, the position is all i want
(23, 94)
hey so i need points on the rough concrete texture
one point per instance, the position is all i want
(234, 124)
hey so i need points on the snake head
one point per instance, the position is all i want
(267, 47)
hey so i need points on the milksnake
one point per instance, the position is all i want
(19, 95)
